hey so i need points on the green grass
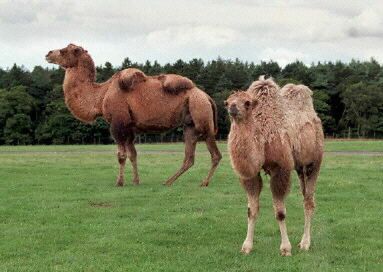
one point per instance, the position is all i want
(60, 211)
(330, 146)
(354, 145)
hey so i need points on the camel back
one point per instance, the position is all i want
(129, 78)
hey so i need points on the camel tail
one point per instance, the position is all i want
(215, 114)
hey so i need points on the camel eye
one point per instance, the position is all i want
(247, 104)
(77, 51)
(63, 51)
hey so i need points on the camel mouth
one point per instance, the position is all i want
(48, 59)
(233, 112)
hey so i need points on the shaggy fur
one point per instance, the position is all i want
(277, 131)
(135, 103)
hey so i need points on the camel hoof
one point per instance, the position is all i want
(285, 250)
(204, 183)
(167, 184)
(136, 182)
(304, 245)
(285, 253)
(246, 248)
(119, 184)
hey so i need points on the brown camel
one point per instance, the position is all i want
(132, 102)
(277, 131)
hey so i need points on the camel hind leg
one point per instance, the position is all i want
(191, 138)
(308, 176)
(215, 158)
(203, 112)
(132, 155)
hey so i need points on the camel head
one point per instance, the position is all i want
(66, 57)
(239, 105)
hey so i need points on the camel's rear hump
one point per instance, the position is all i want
(175, 84)
(298, 96)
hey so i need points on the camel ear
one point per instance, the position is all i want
(128, 79)
(225, 103)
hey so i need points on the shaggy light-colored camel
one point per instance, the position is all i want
(132, 102)
(277, 131)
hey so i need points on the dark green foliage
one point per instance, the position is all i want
(322, 107)
(270, 68)
(16, 108)
(18, 129)
(363, 107)
(299, 72)
(347, 96)
(105, 72)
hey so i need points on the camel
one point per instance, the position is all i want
(132, 102)
(277, 131)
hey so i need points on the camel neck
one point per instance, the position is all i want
(243, 125)
(82, 95)
(245, 120)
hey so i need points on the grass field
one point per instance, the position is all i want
(60, 211)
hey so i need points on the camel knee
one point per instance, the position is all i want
(216, 158)
(280, 215)
(279, 212)
(309, 203)
(121, 157)
(132, 157)
(189, 162)
(252, 212)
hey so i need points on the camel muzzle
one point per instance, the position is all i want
(47, 57)
(233, 111)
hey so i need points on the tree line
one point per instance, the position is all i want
(347, 96)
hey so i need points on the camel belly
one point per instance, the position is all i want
(157, 116)
(278, 153)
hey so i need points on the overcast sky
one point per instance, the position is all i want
(168, 30)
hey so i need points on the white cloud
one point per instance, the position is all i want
(367, 23)
(193, 36)
(167, 30)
